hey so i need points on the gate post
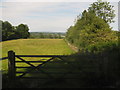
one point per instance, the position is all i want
(11, 67)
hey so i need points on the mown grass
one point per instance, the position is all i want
(35, 47)
(85, 70)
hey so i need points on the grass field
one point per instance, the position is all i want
(35, 47)
(84, 70)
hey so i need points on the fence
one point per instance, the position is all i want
(40, 68)
(55, 67)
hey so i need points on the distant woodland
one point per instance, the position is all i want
(47, 35)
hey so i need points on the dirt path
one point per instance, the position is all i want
(73, 47)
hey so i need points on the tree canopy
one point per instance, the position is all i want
(10, 32)
(91, 31)
(104, 10)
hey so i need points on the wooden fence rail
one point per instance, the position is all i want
(12, 65)
(3, 58)
(69, 64)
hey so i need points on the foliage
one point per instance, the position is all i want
(10, 32)
(98, 39)
(22, 31)
(47, 35)
(99, 46)
(91, 33)
(104, 10)
(103, 47)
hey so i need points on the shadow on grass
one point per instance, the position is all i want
(84, 70)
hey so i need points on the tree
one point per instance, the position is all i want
(1, 30)
(88, 30)
(6, 30)
(22, 31)
(104, 10)
(10, 32)
(41, 35)
(59, 36)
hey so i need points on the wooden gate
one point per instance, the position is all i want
(43, 66)
(67, 69)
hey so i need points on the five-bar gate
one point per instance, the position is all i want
(43, 66)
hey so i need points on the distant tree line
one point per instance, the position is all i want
(10, 32)
(47, 35)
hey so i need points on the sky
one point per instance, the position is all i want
(47, 16)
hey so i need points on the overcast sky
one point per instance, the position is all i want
(54, 16)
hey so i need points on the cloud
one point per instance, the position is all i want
(53, 24)
(38, 16)
(43, 16)
(20, 8)
(56, 0)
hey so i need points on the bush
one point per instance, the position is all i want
(103, 47)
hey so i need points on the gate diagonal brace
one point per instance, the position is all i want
(35, 67)
(25, 61)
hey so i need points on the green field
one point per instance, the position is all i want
(84, 70)
(35, 47)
